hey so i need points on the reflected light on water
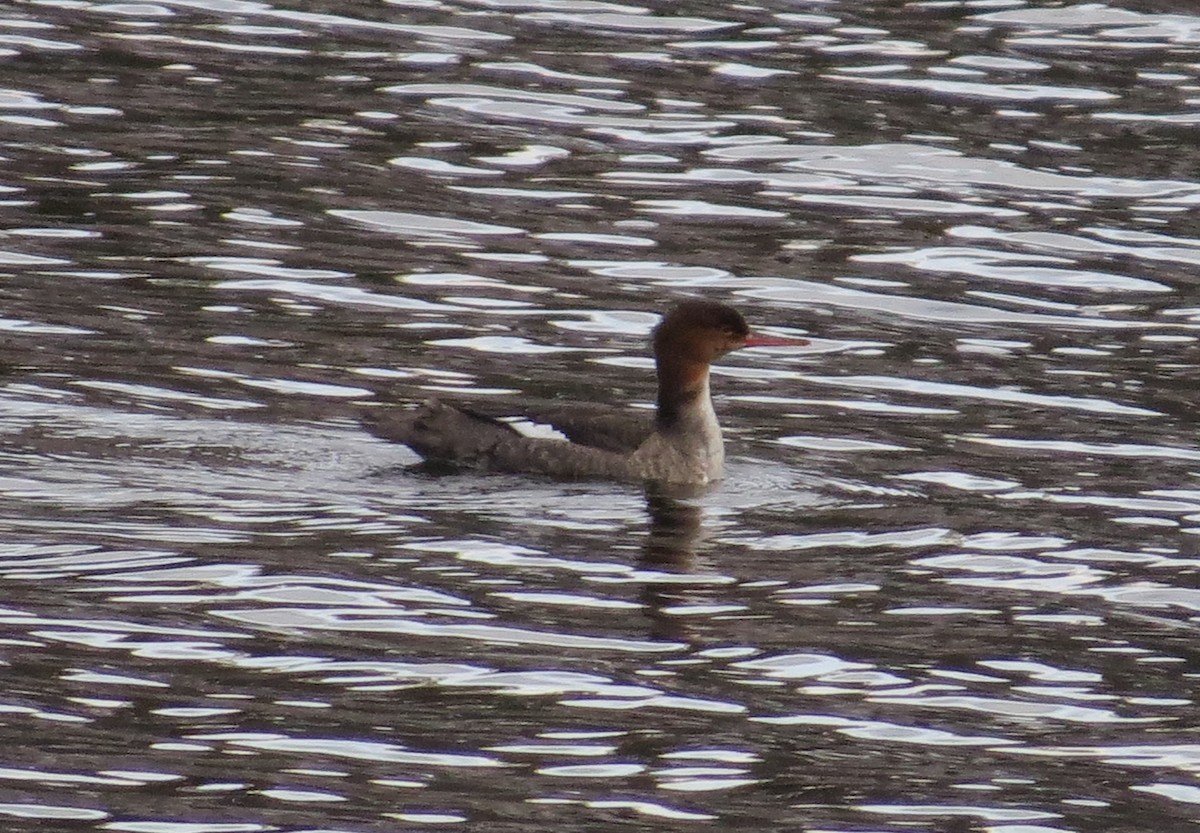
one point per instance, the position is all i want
(947, 583)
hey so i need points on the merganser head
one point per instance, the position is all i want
(703, 331)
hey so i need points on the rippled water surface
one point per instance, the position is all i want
(949, 584)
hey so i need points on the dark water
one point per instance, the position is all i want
(950, 583)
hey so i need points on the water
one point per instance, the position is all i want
(950, 583)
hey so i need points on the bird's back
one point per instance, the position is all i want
(597, 426)
(458, 436)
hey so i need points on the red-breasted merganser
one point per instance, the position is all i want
(682, 444)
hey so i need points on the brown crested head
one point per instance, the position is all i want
(700, 331)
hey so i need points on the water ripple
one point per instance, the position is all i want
(947, 580)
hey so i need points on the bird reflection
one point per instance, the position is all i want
(675, 530)
(671, 546)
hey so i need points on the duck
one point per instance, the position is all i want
(680, 444)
